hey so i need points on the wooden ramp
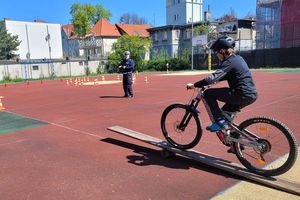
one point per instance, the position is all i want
(274, 182)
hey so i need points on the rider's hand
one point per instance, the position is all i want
(190, 86)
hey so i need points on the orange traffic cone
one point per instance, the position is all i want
(146, 79)
(103, 78)
(1, 105)
(118, 77)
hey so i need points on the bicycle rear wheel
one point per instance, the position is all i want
(276, 149)
(181, 126)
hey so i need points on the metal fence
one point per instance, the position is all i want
(283, 57)
(260, 58)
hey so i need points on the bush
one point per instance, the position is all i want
(175, 64)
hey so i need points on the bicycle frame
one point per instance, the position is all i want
(230, 116)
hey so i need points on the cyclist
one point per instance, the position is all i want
(241, 91)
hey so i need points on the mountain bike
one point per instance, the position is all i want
(262, 144)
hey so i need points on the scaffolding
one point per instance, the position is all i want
(268, 23)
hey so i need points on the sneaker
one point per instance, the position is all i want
(218, 126)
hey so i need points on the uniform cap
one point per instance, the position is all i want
(126, 52)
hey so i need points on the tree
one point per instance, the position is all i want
(8, 44)
(84, 16)
(101, 13)
(135, 44)
(202, 29)
(131, 18)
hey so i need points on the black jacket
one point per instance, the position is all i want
(129, 65)
(235, 70)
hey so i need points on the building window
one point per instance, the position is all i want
(155, 36)
(165, 36)
(188, 34)
(176, 16)
(177, 34)
(35, 67)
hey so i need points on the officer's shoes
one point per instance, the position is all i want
(128, 96)
(218, 126)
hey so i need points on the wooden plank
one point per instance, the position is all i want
(274, 182)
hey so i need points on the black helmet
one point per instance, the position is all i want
(223, 42)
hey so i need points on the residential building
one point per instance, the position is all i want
(99, 41)
(173, 40)
(179, 12)
(134, 29)
(242, 30)
(277, 24)
(39, 39)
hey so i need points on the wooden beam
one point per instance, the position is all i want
(219, 163)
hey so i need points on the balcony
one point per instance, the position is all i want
(86, 44)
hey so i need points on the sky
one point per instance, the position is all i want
(58, 11)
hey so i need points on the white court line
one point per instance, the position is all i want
(17, 141)
(76, 130)
(99, 137)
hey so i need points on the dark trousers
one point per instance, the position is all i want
(233, 101)
(127, 84)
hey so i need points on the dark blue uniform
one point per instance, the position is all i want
(127, 76)
(241, 91)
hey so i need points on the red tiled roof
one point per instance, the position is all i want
(134, 29)
(69, 30)
(104, 28)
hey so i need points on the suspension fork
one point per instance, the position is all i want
(188, 114)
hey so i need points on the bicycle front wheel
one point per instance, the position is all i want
(275, 150)
(181, 126)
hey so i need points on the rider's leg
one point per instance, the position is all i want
(225, 95)
(211, 96)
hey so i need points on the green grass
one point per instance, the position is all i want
(279, 70)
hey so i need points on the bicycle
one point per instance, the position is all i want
(263, 145)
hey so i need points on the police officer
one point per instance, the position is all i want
(241, 91)
(127, 66)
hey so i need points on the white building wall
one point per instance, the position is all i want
(43, 70)
(107, 44)
(179, 12)
(33, 39)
